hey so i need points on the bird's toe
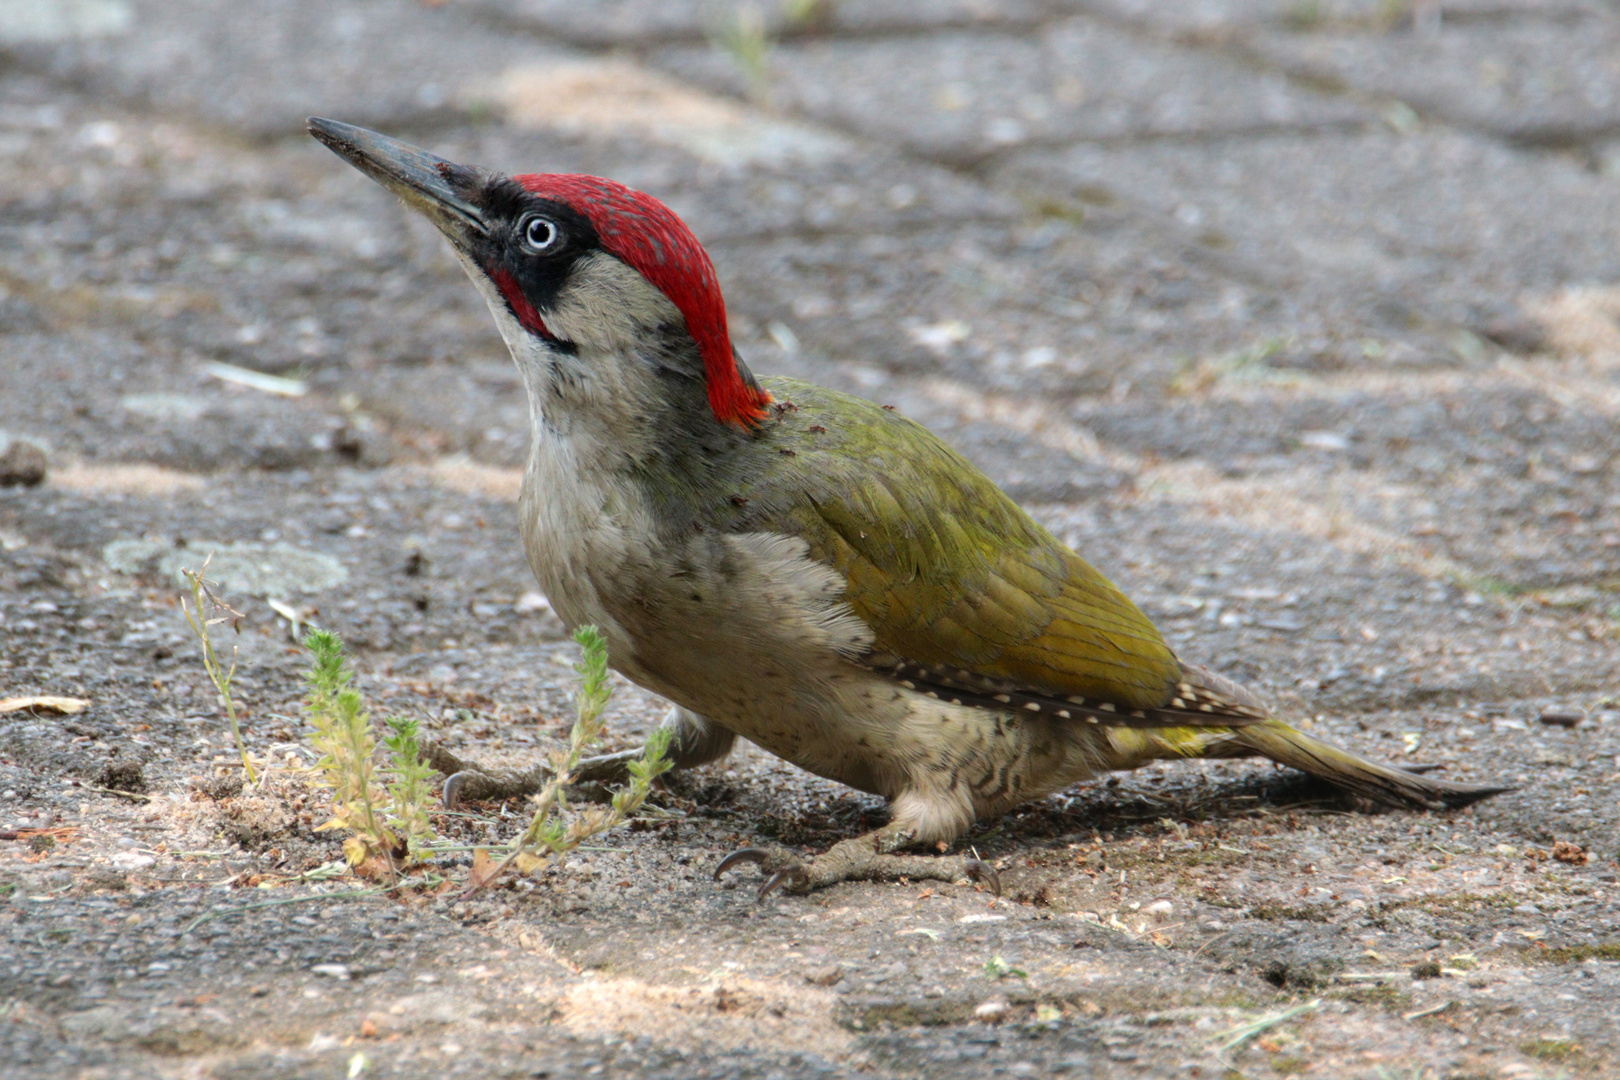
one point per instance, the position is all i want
(791, 878)
(982, 872)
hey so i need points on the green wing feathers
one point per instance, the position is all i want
(949, 571)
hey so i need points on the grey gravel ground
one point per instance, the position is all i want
(1300, 320)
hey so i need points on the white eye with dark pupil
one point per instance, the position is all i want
(540, 234)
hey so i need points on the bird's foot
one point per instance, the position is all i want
(862, 858)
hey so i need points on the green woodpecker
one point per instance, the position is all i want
(802, 568)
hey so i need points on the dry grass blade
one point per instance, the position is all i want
(1240, 1035)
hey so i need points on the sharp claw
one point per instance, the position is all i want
(985, 873)
(742, 855)
(452, 788)
(795, 874)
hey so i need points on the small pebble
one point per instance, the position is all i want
(823, 976)
(22, 462)
(1562, 716)
(992, 1010)
(128, 861)
(1160, 909)
(332, 971)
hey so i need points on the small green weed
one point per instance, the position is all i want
(746, 39)
(1550, 1049)
(552, 830)
(385, 805)
(385, 813)
(1575, 954)
(997, 968)
(409, 789)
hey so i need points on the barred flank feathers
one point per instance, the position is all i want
(1207, 716)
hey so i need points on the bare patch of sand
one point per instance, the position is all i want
(457, 473)
(598, 97)
(725, 1014)
(124, 479)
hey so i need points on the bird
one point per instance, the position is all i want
(802, 568)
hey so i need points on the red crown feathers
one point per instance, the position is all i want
(646, 235)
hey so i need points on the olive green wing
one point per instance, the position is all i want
(965, 594)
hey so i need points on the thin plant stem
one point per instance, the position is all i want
(217, 672)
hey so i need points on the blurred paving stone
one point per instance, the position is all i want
(1219, 19)
(1436, 226)
(61, 20)
(641, 22)
(146, 409)
(262, 66)
(273, 570)
(1550, 81)
(1042, 303)
(1445, 467)
(961, 96)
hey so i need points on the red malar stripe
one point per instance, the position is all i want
(521, 308)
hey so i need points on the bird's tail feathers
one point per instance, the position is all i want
(1386, 784)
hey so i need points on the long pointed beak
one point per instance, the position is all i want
(426, 183)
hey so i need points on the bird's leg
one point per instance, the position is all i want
(696, 741)
(860, 858)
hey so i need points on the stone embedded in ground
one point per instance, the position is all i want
(638, 22)
(1563, 716)
(23, 462)
(240, 567)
